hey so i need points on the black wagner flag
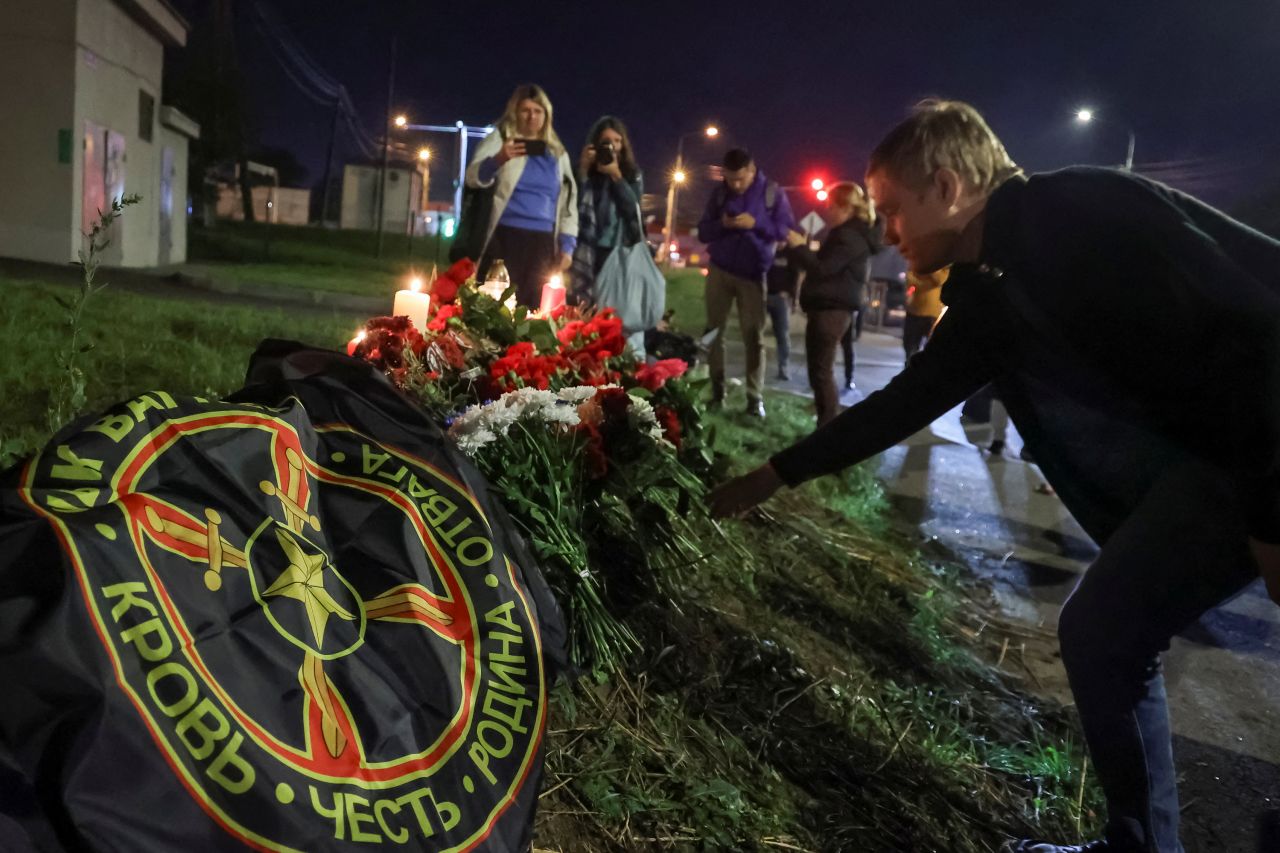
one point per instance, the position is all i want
(290, 621)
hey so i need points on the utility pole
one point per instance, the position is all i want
(386, 143)
(328, 163)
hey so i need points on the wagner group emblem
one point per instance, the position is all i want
(323, 635)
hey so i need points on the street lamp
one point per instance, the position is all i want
(678, 176)
(424, 154)
(1084, 115)
(401, 121)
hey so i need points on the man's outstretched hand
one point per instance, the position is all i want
(741, 494)
(1268, 557)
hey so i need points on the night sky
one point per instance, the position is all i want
(808, 87)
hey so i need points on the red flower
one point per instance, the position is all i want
(670, 423)
(654, 376)
(440, 320)
(445, 288)
(522, 367)
(597, 459)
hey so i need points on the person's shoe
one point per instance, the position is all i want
(1027, 846)
(996, 448)
(782, 373)
(849, 386)
(717, 396)
(755, 408)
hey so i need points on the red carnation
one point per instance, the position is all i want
(654, 376)
(670, 423)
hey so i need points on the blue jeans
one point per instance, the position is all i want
(779, 307)
(1181, 551)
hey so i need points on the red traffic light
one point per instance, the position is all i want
(817, 184)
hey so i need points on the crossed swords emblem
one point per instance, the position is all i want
(303, 581)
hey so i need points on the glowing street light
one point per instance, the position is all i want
(424, 154)
(1084, 115)
(401, 121)
(817, 184)
(822, 195)
(679, 176)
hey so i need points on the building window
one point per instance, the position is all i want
(146, 115)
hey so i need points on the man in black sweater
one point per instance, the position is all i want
(1134, 336)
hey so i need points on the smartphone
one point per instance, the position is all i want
(534, 147)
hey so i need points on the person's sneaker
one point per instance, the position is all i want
(849, 386)
(755, 408)
(1027, 846)
(996, 448)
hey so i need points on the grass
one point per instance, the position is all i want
(139, 343)
(313, 258)
(811, 683)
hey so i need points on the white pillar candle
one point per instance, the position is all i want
(413, 303)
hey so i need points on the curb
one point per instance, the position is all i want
(277, 293)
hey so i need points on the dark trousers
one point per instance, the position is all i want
(779, 307)
(915, 331)
(530, 257)
(1180, 552)
(846, 343)
(821, 337)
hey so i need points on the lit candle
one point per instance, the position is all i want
(354, 343)
(413, 303)
(552, 295)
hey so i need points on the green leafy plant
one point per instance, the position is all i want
(67, 397)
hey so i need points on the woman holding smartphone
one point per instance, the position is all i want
(609, 203)
(834, 276)
(533, 226)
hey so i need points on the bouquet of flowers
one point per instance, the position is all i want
(596, 457)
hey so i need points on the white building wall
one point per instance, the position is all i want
(115, 60)
(37, 38)
(178, 225)
(360, 198)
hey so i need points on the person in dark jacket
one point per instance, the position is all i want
(1160, 431)
(744, 219)
(780, 299)
(834, 277)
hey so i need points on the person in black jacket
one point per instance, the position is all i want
(780, 299)
(1160, 430)
(834, 277)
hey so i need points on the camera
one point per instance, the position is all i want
(604, 153)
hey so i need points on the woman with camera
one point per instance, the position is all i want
(608, 208)
(835, 276)
(533, 224)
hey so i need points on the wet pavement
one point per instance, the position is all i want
(1222, 673)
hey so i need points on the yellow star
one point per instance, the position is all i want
(304, 581)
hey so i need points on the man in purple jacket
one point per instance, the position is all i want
(744, 220)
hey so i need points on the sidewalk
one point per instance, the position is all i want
(1222, 673)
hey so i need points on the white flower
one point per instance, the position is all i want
(644, 419)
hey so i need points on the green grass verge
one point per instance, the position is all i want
(313, 258)
(139, 343)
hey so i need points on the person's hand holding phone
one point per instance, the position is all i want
(795, 239)
(512, 148)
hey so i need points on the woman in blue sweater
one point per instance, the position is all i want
(534, 224)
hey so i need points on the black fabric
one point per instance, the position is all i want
(293, 619)
(473, 223)
(530, 257)
(1126, 326)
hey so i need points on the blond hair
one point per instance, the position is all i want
(850, 196)
(535, 93)
(944, 135)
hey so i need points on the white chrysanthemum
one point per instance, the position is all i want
(577, 394)
(644, 418)
(471, 442)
